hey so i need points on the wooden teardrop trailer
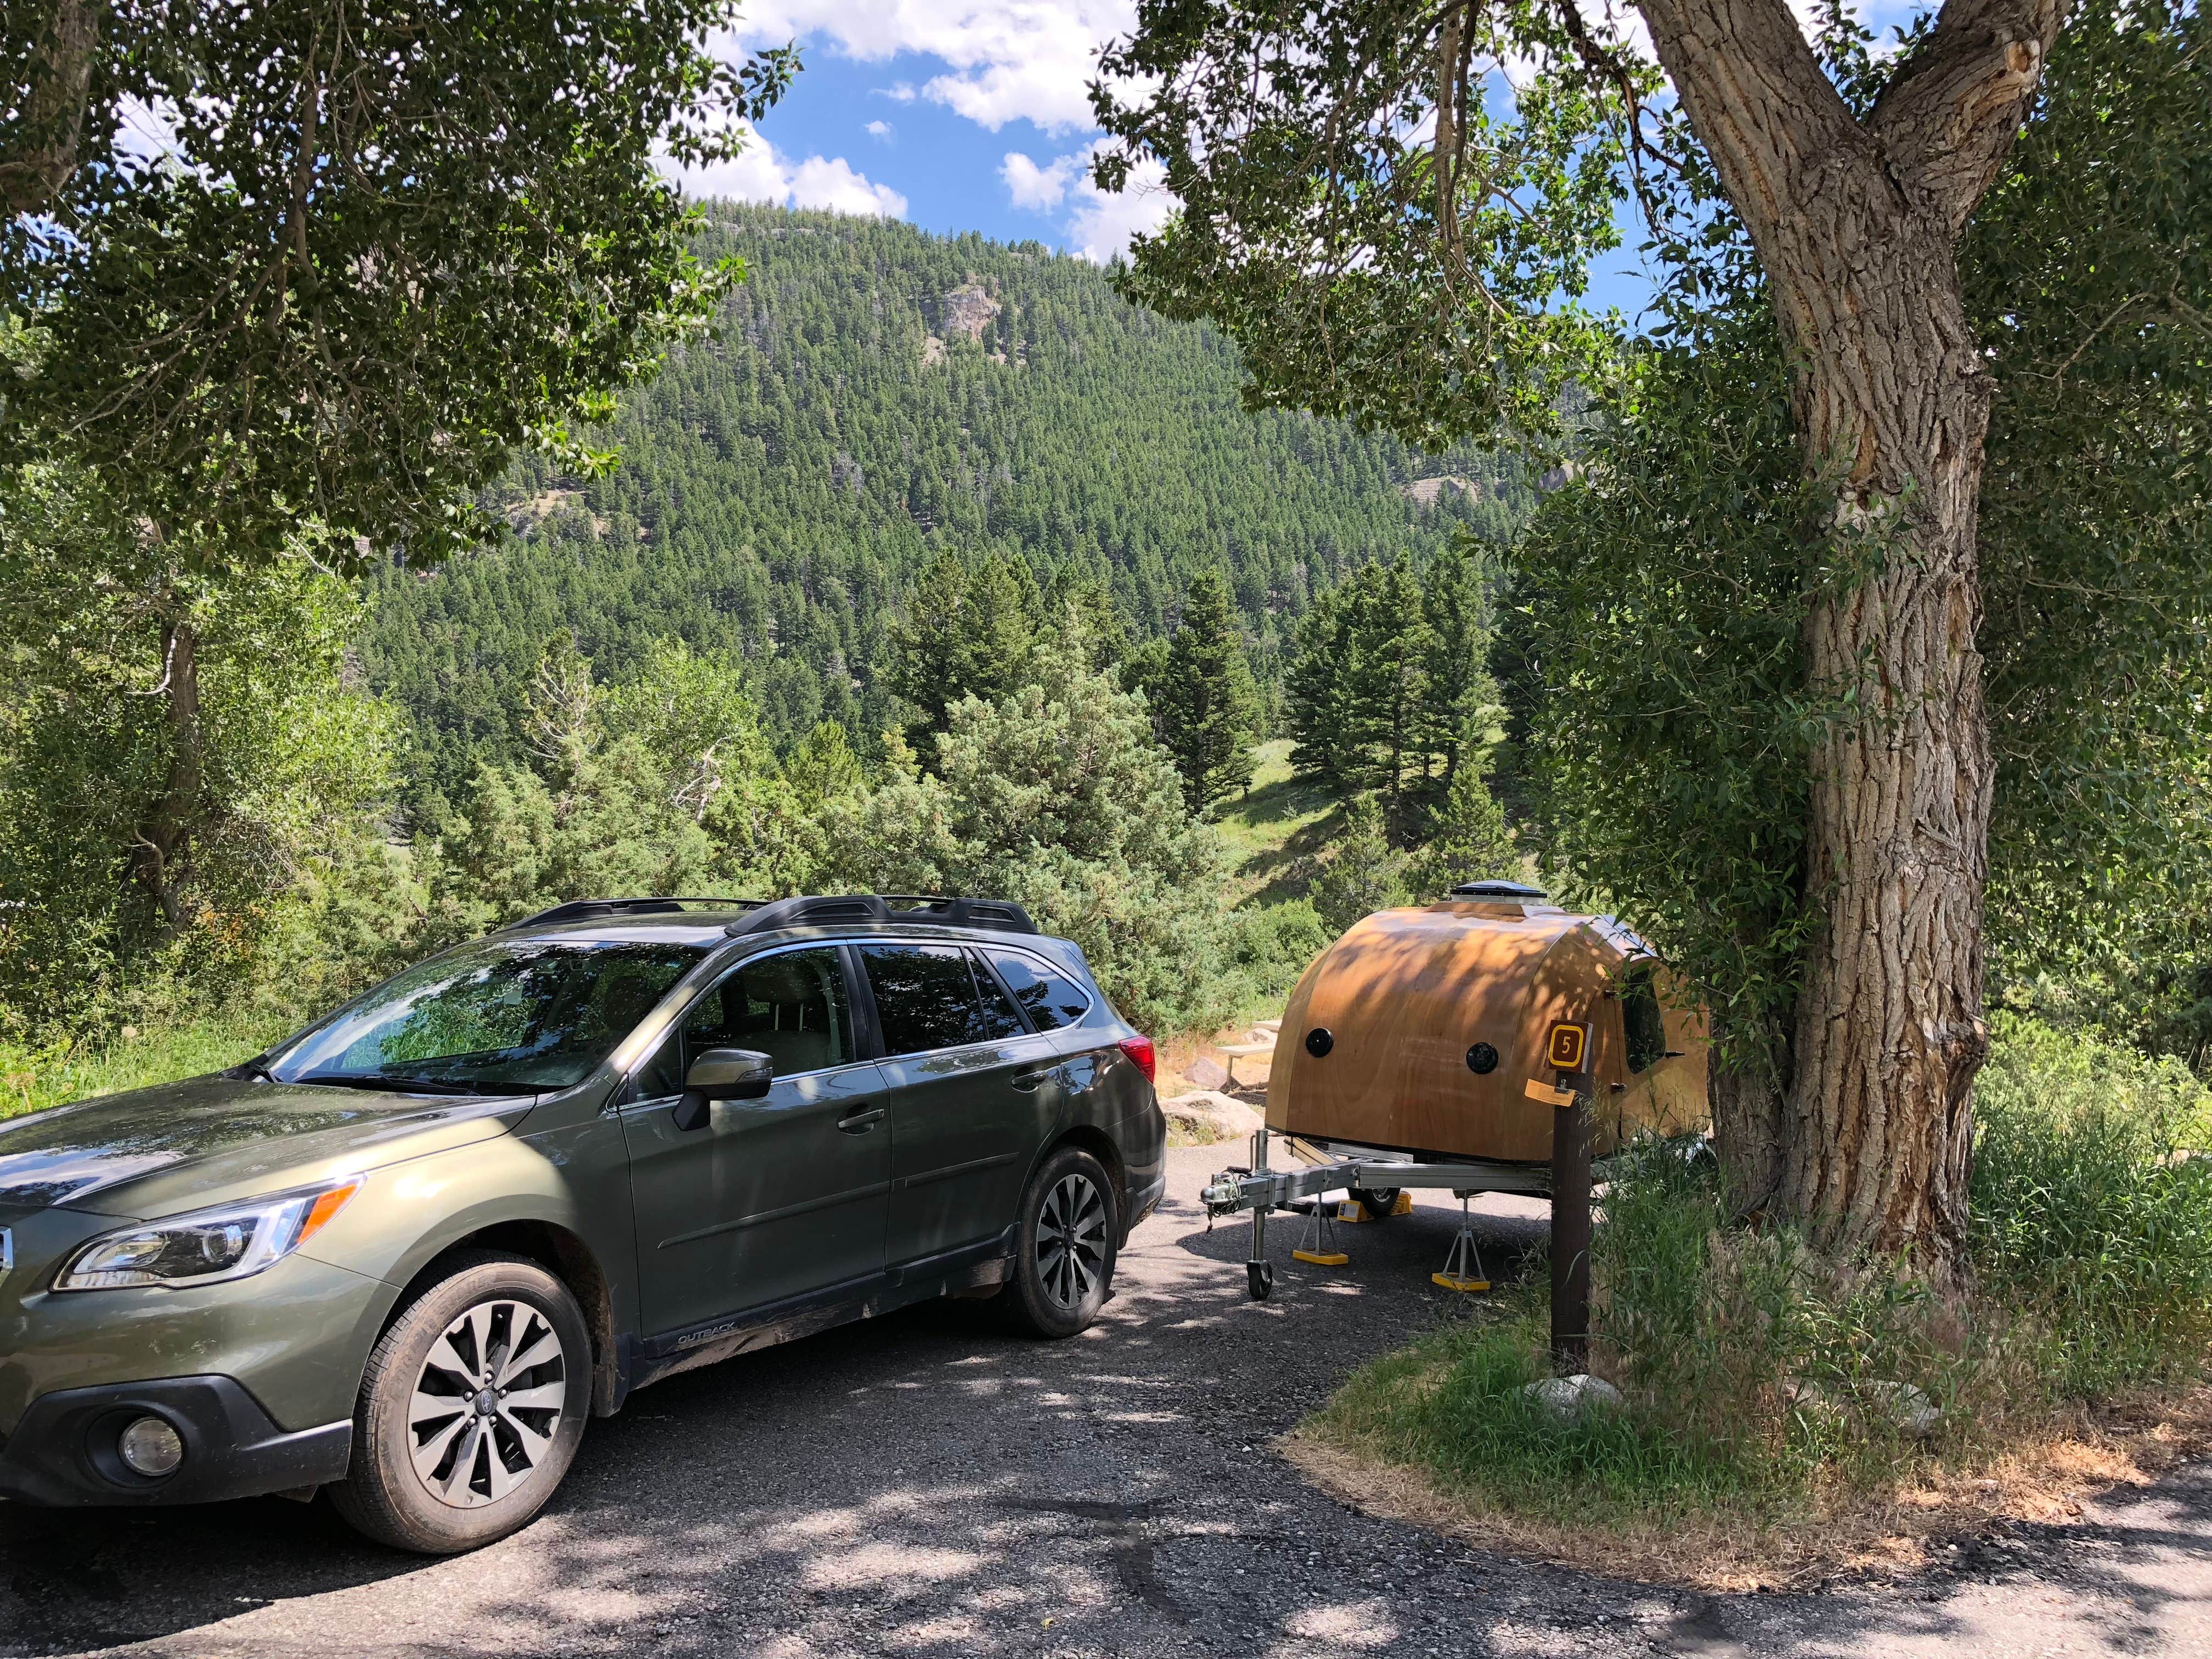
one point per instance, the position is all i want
(1420, 1032)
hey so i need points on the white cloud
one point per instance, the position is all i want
(1010, 59)
(1038, 189)
(1100, 226)
(879, 129)
(760, 173)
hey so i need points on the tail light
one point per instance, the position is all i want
(1141, 1049)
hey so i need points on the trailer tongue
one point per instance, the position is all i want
(1260, 1189)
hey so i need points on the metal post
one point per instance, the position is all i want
(1259, 1272)
(1571, 1225)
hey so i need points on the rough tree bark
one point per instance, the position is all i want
(50, 107)
(1856, 225)
(162, 861)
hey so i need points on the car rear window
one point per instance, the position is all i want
(1048, 997)
(926, 997)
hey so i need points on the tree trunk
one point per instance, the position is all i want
(163, 861)
(1856, 226)
(51, 106)
(1749, 1131)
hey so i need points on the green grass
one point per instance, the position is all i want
(33, 1080)
(1276, 826)
(1454, 1405)
(1764, 1380)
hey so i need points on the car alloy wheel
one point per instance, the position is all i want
(1071, 1240)
(488, 1403)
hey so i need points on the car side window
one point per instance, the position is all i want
(1001, 1020)
(926, 997)
(1049, 998)
(792, 1007)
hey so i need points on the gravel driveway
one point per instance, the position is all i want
(924, 1485)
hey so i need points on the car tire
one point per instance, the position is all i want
(1065, 1244)
(439, 1483)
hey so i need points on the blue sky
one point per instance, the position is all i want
(970, 115)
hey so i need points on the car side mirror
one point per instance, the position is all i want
(730, 1074)
(722, 1074)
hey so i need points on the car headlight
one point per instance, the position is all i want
(207, 1247)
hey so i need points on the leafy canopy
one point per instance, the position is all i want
(379, 246)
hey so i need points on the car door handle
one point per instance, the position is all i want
(859, 1123)
(1028, 1082)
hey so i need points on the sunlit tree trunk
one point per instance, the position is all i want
(1856, 225)
(162, 861)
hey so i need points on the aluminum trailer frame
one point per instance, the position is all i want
(1262, 1190)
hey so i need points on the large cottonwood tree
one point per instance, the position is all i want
(1387, 233)
(284, 278)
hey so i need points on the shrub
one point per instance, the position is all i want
(2092, 1204)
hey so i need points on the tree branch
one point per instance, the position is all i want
(1948, 116)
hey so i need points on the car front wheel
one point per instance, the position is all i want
(1064, 1260)
(471, 1409)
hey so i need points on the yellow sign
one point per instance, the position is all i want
(1567, 1046)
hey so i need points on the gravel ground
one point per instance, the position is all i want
(925, 1484)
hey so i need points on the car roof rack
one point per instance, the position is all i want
(587, 909)
(888, 909)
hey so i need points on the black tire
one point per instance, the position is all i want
(463, 1335)
(1380, 1205)
(1065, 1247)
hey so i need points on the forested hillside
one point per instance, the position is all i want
(873, 395)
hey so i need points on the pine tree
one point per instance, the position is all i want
(1314, 687)
(1388, 688)
(1468, 839)
(1208, 708)
(1364, 873)
(1459, 687)
(968, 632)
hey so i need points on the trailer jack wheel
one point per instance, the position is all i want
(1260, 1277)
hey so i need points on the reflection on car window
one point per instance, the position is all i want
(512, 1014)
(1645, 1026)
(999, 1019)
(925, 997)
(1048, 997)
(791, 1007)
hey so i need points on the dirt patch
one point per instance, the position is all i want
(2043, 1479)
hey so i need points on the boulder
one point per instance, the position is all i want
(1569, 1399)
(1229, 1120)
(1207, 1073)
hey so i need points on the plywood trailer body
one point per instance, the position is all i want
(1436, 1021)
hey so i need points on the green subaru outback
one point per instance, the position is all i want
(406, 1253)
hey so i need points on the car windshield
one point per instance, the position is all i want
(498, 1016)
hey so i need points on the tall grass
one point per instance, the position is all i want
(2092, 1205)
(1758, 1373)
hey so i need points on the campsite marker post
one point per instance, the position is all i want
(1571, 1198)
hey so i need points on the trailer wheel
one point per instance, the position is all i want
(1260, 1277)
(1379, 1205)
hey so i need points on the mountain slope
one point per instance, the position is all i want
(872, 394)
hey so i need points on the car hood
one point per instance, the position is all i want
(208, 1139)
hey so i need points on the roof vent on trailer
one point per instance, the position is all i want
(1510, 892)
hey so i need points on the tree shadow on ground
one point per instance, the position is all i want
(930, 1484)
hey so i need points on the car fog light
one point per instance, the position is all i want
(152, 1448)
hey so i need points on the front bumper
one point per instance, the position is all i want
(62, 1453)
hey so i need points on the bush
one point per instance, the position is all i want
(2092, 1204)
